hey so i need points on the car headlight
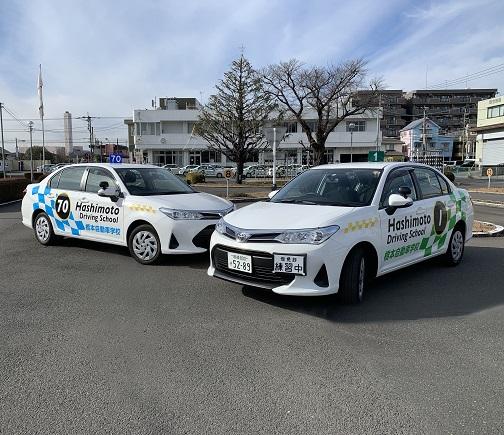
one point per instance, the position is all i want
(181, 214)
(312, 236)
(220, 226)
(228, 210)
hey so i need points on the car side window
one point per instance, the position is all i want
(445, 187)
(96, 176)
(70, 179)
(395, 180)
(428, 182)
(53, 182)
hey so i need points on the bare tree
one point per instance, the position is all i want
(231, 122)
(321, 93)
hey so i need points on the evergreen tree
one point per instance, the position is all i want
(232, 120)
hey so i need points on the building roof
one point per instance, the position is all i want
(416, 123)
(454, 91)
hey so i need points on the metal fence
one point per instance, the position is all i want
(433, 159)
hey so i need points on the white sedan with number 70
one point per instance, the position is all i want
(335, 227)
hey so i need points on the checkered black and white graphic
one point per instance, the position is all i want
(44, 202)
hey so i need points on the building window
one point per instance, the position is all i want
(190, 126)
(168, 157)
(358, 125)
(172, 127)
(496, 111)
(291, 126)
(210, 156)
(149, 128)
(313, 125)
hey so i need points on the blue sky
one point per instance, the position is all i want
(108, 57)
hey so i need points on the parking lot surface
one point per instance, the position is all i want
(92, 341)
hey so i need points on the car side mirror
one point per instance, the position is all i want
(104, 184)
(399, 201)
(110, 192)
(272, 194)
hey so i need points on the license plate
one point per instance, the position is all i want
(286, 263)
(240, 262)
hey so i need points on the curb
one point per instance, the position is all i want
(497, 232)
(488, 203)
(10, 202)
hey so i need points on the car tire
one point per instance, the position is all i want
(219, 175)
(353, 278)
(43, 229)
(455, 250)
(144, 244)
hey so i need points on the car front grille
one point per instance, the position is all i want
(262, 268)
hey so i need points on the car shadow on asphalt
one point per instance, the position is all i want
(194, 261)
(426, 290)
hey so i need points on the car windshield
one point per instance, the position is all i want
(152, 181)
(339, 187)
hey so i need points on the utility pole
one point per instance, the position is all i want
(30, 127)
(464, 138)
(424, 139)
(3, 147)
(378, 124)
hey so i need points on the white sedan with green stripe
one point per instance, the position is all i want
(334, 227)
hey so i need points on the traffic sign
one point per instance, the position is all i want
(489, 172)
(115, 158)
(376, 156)
(228, 173)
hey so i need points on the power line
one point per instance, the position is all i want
(470, 77)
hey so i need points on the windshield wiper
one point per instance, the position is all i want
(296, 201)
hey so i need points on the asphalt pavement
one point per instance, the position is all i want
(93, 342)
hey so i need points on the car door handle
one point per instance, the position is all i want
(420, 210)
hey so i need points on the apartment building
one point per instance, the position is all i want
(490, 133)
(393, 107)
(165, 135)
(452, 109)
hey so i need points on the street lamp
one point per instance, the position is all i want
(271, 134)
(351, 127)
(30, 126)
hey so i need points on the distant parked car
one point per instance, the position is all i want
(209, 170)
(302, 169)
(172, 168)
(45, 168)
(185, 169)
(59, 165)
(255, 171)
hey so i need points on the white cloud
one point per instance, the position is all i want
(108, 57)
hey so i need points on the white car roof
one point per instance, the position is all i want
(366, 165)
(115, 165)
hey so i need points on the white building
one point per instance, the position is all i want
(490, 132)
(164, 135)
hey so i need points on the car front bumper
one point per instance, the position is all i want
(323, 266)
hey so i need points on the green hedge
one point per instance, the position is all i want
(12, 189)
(195, 177)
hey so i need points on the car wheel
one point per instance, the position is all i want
(219, 175)
(353, 278)
(144, 244)
(456, 246)
(44, 232)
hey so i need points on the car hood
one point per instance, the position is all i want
(190, 201)
(272, 216)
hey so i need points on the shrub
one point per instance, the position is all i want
(195, 177)
(12, 189)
